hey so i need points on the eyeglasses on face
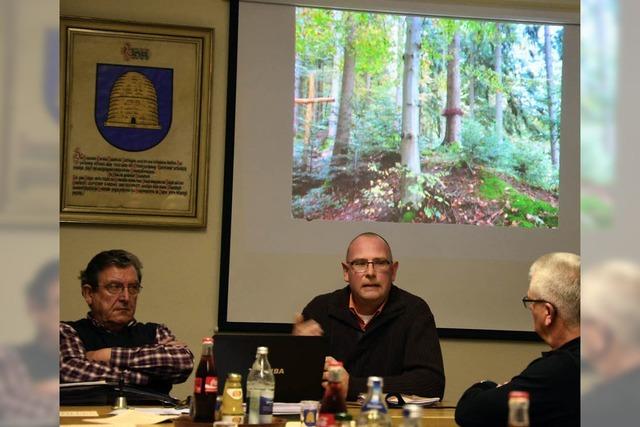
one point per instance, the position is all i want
(361, 265)
(528, 302)
(118, 288)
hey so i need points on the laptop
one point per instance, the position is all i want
(297, 362)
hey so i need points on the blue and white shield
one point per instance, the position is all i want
(133, 105)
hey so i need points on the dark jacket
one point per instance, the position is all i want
(400, 344)
(553, 383)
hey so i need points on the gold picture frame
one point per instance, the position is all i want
(135, 122)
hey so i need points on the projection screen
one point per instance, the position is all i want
(272, 264)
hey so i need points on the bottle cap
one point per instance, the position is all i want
(375, 380)
(234, 377)
(263, 350)
(335, 373)
(518, 394)
(207, 340)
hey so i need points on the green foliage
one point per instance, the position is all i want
(478, 147)
(519, 208)
(492, 188)
(531, 164)
(385, 191)
(372, 43)
(375, 127)
(313, 204)
(315, 34)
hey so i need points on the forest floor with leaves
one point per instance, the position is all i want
(469, 196)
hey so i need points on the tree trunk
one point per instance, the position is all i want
(453, 110)
(498, 70)
(399, 27)
(335, 93)
(472, 83)
(343, 129)
(553, 132)
(409, 152)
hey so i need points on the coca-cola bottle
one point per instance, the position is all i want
(205, 385)
(333, 401)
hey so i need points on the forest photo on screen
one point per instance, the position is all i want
(430, 120)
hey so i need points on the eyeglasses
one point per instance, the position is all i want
(361, 265)
(528, 302)
(118, 288)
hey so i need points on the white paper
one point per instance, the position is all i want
(79, 414)
(132, 417)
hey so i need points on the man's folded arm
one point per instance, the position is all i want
(171, 361)
(76, 367)
(483, 404)
(423, 369)
(421, 382)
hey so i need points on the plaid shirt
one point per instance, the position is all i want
(137, 364)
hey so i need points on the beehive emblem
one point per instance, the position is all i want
(134, 105)
(133, 102)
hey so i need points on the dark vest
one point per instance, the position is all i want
(95, 338)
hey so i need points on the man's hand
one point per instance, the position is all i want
(345, 376)
(102, 355)
(306, 328)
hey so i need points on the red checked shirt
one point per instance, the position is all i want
(137, 364)
(363, 320)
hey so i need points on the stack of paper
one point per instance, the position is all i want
(392, 399)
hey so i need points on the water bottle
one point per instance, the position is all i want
(261, 386)
(374, 409)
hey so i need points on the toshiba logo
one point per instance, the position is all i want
(277, 371)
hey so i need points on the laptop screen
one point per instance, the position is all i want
(297, 362)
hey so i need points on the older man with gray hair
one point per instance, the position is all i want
(611, 344)
(553, 380)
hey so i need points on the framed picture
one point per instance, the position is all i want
(135, 135)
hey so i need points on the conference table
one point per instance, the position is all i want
(439, 415)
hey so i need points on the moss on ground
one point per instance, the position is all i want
(520, 208)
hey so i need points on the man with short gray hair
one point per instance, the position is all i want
(553, 380)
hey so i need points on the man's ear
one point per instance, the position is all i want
(345, 272)
(87, 293)
(550, 314)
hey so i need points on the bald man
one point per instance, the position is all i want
(376, 328)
